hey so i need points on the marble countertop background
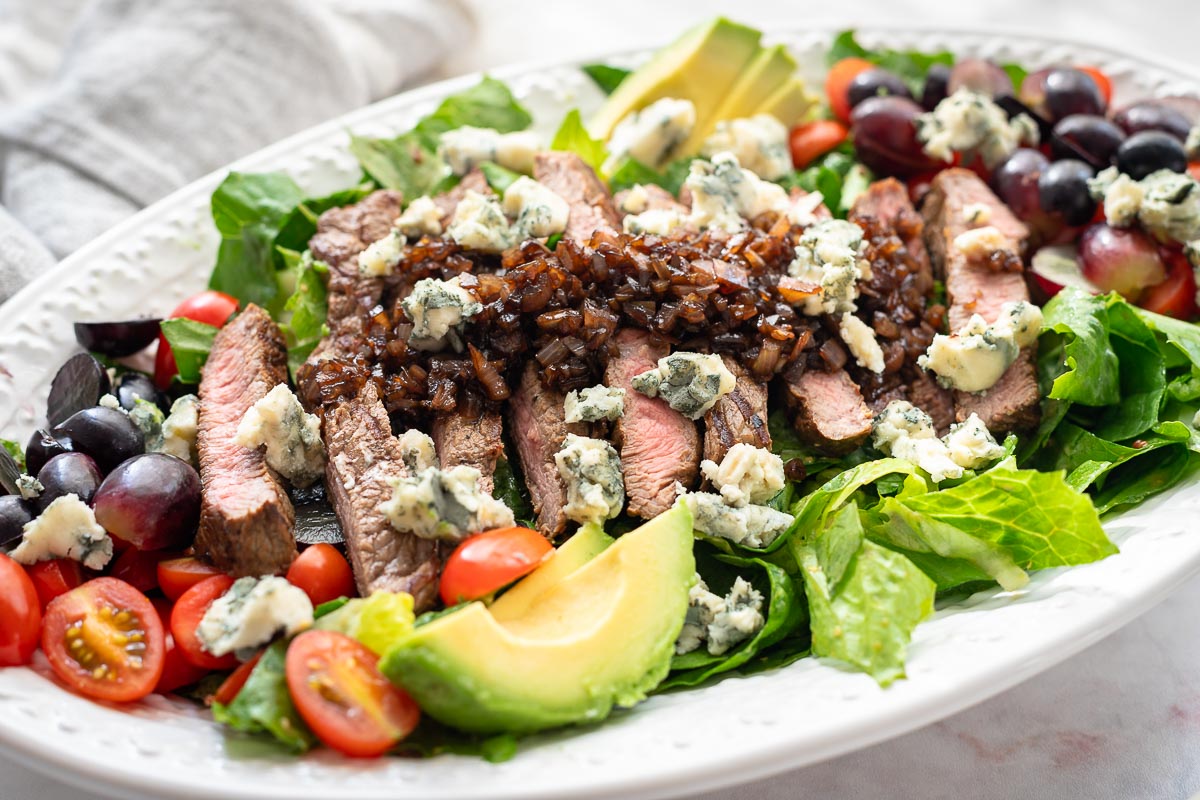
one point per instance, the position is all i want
(1120, 721)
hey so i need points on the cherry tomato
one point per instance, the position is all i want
(186, 616)
(491, 561)
(1194, 170)
(338, 690)
(20, 614)
(104, 640)
(812, 140)
(211, 308)
(54, 578)
(138, 568)
(837, 84)
(1175, 296)
(228, 691)
(323, 573)
(177, 575)
(1103, 82)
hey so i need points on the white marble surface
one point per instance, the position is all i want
(1120, 721)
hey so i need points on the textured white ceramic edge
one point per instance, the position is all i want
(734, 731)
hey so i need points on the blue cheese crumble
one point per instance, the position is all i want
(973, 359)
(417, 451)
(479, 224)
(760, 144)
(750, 525)
(747, 474)
(722, 622)
(252, 613)
(421, 218)
(381, 257)
(29, 487)
(537, 211)
(1165, 203)
(467, 147)
(179, 429)
(593, 404)
(651, 136)
(860, 340)
(655, 222)
(591, 471)
(723, 193)
(904, 431)
(691, 383)
(291, 436)
(971, 123)
(444, 504)
(829, 255)
(439, 310)
(66, 528)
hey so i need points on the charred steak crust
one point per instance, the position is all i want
(828, 409)
(363, 456)
(659, 446)
(592, 207)
(739, 417)
(973, 287)
(466, 439)
(246, 518)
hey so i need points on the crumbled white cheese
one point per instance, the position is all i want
(439, 310)
(252, 613)
(652, 135)
(292, 438)
(29, 487)
(750, 526)
(635, 200)
(905, 431)
(467, 147)
(381, 257)
(802, 210)
(110, 401)
(444, 504)
(760, 144)
(977, 213)
(721, 621)
(421, 218)
(536, 210)
(591, 471)
(979, 243)
(655, 221)
(703, 606)
(691, 383)
(1192, 145)
(747, 474)
(1165, 203)
(860, 340)
(66, 528)
(723, 193)
(417, 451)
(830, 255)
(179, 428)
(148, 418)
(971, 123)
(973, 359)
(971, 444)
(593, 404)
(479, 224)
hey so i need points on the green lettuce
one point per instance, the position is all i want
(630, 172)
(498, 177)
(909, 65)
(190, 343)
(837, 175)
(16, 451)
(378, 621)
(608, 78)
(264, 705)
(573, 137)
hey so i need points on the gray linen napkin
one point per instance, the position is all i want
(143, 96)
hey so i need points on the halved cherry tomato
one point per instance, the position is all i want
(20, 614)
(54, 578)
(138, 568)
(1194, 170)
(812, 140)
(323, 573)
(1175, 296)
(177, 670)
(104, 639)
(177, 575)
(491, 561)
(211, 308)
(186, 616)
(338, 690)
(1103, 82)
(837, 84)
(227, 692)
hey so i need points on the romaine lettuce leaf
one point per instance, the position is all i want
(1142, 379)
(1092, 372)
(573, 137)
(378, 621)
(608, 78)
(1088, 458)
(264, 704)
(498, 177)
(812, 511)
(190, 343)
(16, 451)
(302, 321)
(630, 172)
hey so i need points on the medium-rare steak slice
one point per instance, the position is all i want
(363, 456)
(659, 446)
(927, 395)
(246, 517)
(958, 201)
(739, 417)
(343, 233)
(447, 202)
(473, 440)
(827, 409)
(887, 200)
(570, 178)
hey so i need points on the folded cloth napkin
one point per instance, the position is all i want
(141, 96)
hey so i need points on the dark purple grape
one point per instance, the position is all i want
(937, 86)
(1033, 91)
(105, 434)
(1124, 260)
(1150, 151)
(69, 473)
(117, 339)
(1063, 189)
(979, 75)
(1070, 91)
(79, 384)
(14, 514)
(133, 385)
(1096, 136)
(1016, 181)
(876, 83)
(885, 136)
(1151, 115)
(42, 447)
(151, 501)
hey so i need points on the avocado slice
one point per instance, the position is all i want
(587, 543)
(702, 65)
(791, 103)
(602, 636)
(770, 69)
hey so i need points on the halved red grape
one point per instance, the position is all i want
(69, 473)
(79, 384)
(14, 514)
(151, 501)
(1072, 91)
(105, 434)
(1124, 260)
(885, 136)
(1096, 136)
(1033, 91)
(1150, 151)
(1015, 181)
(1153, 115)
(980, 75)
(42, 447)
(117, 339)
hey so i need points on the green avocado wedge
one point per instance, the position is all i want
(587, 543)
(602, 636)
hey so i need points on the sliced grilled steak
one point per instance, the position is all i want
(592, 206)
(739, 417)
(472, 440)
(659, 446)
(975, 287)
(447, 202)
(537, 421)
(888, 200)
(343, 233)
(363, 456)
(828, 409)
(927, 395)
(245, 515)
